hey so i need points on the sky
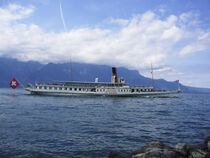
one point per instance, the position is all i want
(172, 35)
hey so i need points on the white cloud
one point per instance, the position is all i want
(189, 19)
(141, 40)
(185, 17)
(14, 12)
(192, 48)
(200, 44)
(121, 22)
(159, 72)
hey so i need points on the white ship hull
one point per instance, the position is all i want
(107, 92)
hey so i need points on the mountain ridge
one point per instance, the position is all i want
(34, 72)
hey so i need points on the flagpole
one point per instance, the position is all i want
(18, 80)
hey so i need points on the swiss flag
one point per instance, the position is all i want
(14, 83)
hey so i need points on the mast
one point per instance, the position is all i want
(153, 84)
(71, 75)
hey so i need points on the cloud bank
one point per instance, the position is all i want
(139, 41)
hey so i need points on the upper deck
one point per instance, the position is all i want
(87, 84)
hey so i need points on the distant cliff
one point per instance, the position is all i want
(31, 72)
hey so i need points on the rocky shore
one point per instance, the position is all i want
(160, 150)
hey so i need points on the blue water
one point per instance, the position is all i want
(90, 127)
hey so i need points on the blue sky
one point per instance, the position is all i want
(173, 35)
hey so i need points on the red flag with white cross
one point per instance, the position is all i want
(14, 83)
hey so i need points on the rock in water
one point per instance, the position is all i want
(115, 155)
(207, 143)
(156, 150)
(198, 154)
(182, 148)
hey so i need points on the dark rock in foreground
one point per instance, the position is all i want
(159, 150)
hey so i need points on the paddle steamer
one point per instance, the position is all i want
(117, 87)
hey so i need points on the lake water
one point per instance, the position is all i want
(91, 127)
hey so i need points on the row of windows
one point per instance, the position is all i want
(143, 90)
(135, 90)
(93, 89)
(63, 88)
(124, 90)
